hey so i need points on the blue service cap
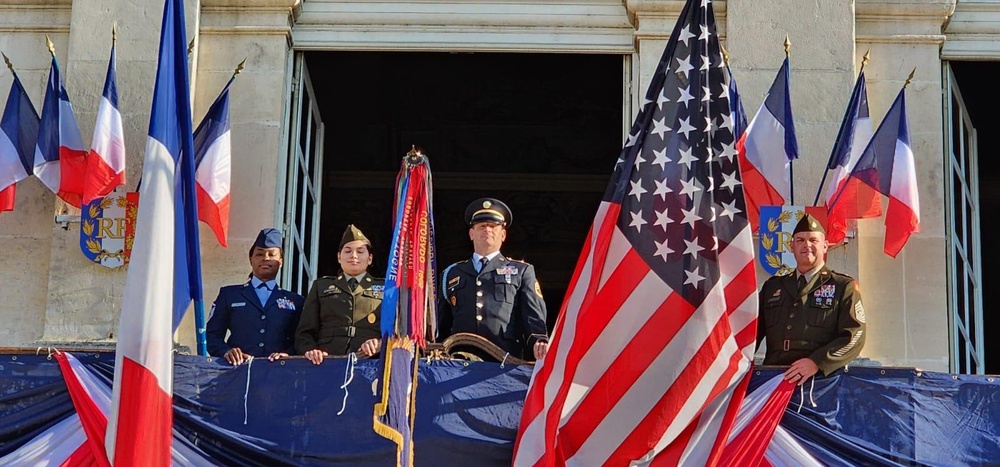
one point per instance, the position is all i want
(267, 238)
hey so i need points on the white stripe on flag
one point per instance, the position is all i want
(765, 149)
(215, 170)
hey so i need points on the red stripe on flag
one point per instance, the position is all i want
(732, 410)
(757, 190)
(72, 174)
(94, 421)
(101, 179)
(648, 432)
(216, 216)
(854, 199)
(747, 447)
(143, 399)
(635, 358)
(900, 223)
(616, 290)
(7, 198)
(82, 457)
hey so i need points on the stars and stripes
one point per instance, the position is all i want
(18, 133)
(660, 320)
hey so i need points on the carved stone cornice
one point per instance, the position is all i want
(902, 21)
(973, 32)
(655, 19)
(248, 17)
(35, 16)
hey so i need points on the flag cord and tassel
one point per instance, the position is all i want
(352, 358)
(246, 391)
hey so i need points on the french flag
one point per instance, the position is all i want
(164, 275)
(852, 139)
(767, 148)
(106, 162)
(18, 133)
(886, 166)
(60, 157)
(213, 162)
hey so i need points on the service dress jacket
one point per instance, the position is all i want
(502, 303)
(826, 322)
(257, 330)
(338, 320)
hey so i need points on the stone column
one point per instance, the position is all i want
(258, 31)
(907, 297)
(26, 232)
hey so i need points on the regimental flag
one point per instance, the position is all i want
(407, 304)
(213, 162)
(165, 273)
(852, 139)
(659, 324)
(60, 157)
(767, 148)
(887, 166)
(106, 161)
(18, 133)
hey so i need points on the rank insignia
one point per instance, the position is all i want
(538, 289)
(859, 312)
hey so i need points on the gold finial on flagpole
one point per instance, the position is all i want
(114, 32)
(7, 61)
(910, 78)
(50, 45)
(191, 46)
(788, 46)
(867, 58)
(239, 68)
(725, 55)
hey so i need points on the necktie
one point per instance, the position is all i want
(482, 263)
(802, 283)
(353, 284)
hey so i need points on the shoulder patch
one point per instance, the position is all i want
(538, 289)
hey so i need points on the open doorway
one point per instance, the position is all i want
(974, 82)
(539, 131)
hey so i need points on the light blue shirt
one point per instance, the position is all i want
(478, 265)
(263, 293)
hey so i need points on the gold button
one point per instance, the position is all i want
(791, 315)
(479, 293)
(479, 282)
(479, 304)
(789, 327)
(479, 318)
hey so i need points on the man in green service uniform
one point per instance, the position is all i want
(812, 319)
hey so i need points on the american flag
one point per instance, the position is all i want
(658, 328)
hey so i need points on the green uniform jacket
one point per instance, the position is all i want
(825, 323)
(502, 303)
(337, 320)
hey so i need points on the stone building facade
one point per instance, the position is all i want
(52, 294)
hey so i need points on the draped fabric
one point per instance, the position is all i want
(467, 413)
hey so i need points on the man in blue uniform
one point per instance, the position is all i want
(259, 316)
(490, 295)
(812, 319)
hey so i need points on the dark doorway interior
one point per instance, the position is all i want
(977, 82)
(539, 131)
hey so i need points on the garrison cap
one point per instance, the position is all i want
(353, 234)
(488, 210)
(267, 238)
(808, 223)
